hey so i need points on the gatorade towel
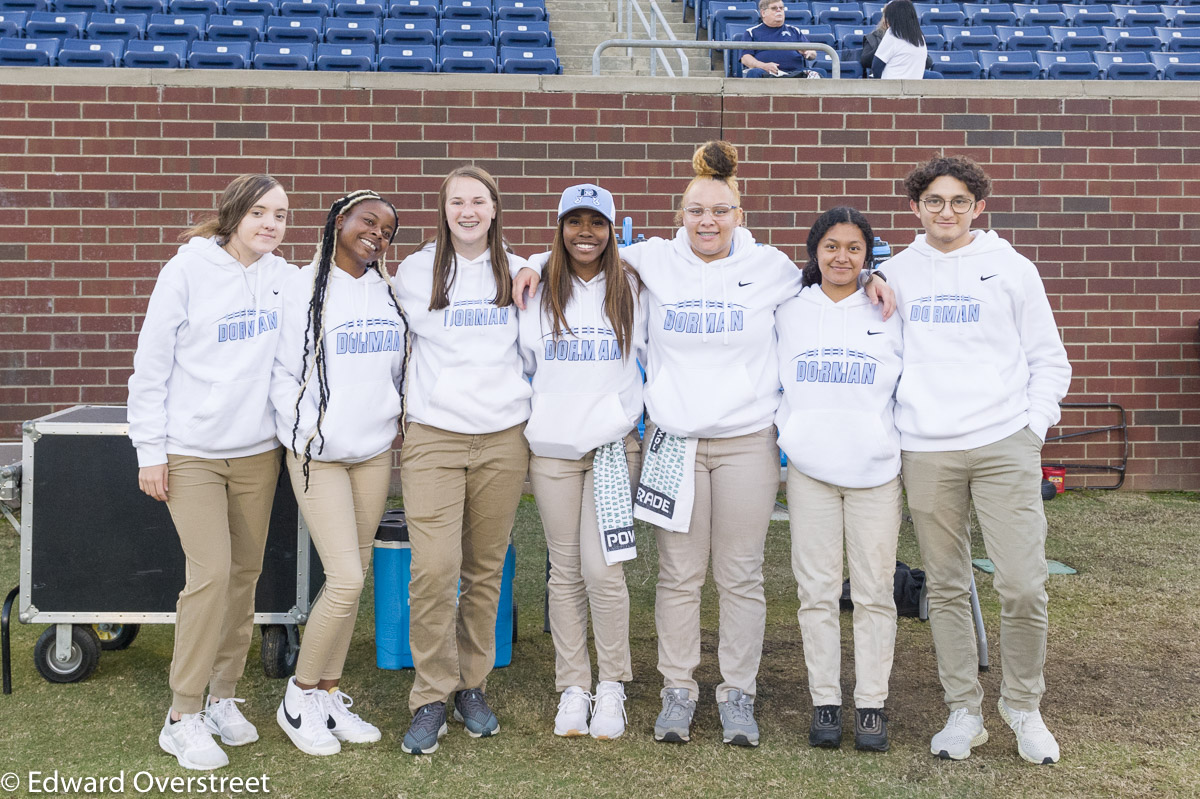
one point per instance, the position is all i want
(668, 484)
(614, 504)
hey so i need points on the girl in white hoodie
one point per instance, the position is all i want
(201, 422)
(338, 391)
(582, 344)
(839, 364)
(465, 456)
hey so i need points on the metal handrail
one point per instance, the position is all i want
(650, 26)
(836, 61)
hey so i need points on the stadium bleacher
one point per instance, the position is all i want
(350, 35)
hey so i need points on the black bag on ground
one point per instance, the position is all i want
(906, 589)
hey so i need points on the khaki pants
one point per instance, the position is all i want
(866, 521)
(736, 482)
(460, 499)
(342, 508)
(221, 509)
(579, 575)
(1004, 480)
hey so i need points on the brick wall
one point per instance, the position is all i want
(1097, 183)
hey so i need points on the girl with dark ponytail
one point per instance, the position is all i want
(339, 393)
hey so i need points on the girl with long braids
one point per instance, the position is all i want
(338, 390)
(839, 365)
(201, 421)
(465, 455)
(582, 346)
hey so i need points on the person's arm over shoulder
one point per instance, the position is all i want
(287, 371)
(1049, 369)
(152, 364)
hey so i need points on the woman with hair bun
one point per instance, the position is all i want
(839, 365)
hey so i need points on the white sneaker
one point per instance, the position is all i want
(191, 743)
(302, 716)
(1035, 743)
(347, 727)
(962, 732)
(224, 719)
(608, 711)
(572, 718)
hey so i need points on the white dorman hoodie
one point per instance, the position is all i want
(839, 363)
(466, 374)
(982, 354)
(711, 369)
(364, 356)
(202, 369)
(585, 393)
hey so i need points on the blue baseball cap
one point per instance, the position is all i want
(589, 196)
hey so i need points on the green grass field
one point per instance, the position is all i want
(1123, 673)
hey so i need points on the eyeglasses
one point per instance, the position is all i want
(959, 205)
(717, 211)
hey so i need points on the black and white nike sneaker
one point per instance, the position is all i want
(302, 716)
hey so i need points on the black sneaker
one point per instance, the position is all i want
(870, 729)
(826, 728)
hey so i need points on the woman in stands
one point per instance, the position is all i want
(338, 391)
(582, 344)
(839, 365)
(201, 421)
(465, 455)
(901, 54)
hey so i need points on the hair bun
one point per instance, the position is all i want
(715, 159)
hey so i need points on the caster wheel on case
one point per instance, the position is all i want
(79, 665)
(116, 636)
(280, 650)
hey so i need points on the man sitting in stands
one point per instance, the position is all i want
(776, 63)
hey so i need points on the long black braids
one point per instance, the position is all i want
(314, 330)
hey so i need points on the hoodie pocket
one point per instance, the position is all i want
(700, 401)
(233, 415)
(571, 425)
(946, 400)
(840, 447)
(360, 421)
(480, 393)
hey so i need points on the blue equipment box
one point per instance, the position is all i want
(393, 570)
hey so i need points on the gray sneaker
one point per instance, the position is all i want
(428, 725)
(737, 717)
(674, 723)
(471, 708)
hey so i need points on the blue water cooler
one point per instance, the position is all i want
(393, 570)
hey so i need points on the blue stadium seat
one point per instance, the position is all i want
(1126, 39)
(272, 55)
(166, 54)
(1034, 37)
(949, 14)
(468, 59)
(28, 52)
(1033, 14)
(86, 6)
(146, 7)
(824, 65)
(733, 58)
(1079, 16)
(1069, 65)
(1139, 16)
(850, 37)
(1009, 65)
(1177, 66)
(1125, 66)
(971, 38)
(993, 14)
(934, 40)
(722, 18)
(799, 14)
(873, 12)
(116, 26)
(520, 11)
(466, 32)
(12, 23)
(522, 33)
(219, 55)
(84, 53)
(187, 27)
(960, 64)
(1083, 38)
(306, 8)
(409, 31)
(242, 8)
(295, 30)
(356, 31)
(375, 9)
(467, 9)
(408, 9)
(28, 6)
(712, 7)
(1182, 16)
(346, 57)
(931, 75)
(838, 14)
(207, 7)
(407, 58)
(538, 60)
(1180, 40)
(53, 25)
(223, 28)
(818, 33)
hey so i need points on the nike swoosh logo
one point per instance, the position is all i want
(329, 722)
(743, 285)
(293, 720)
(989, 277)
(274, 291)
(874, 332)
